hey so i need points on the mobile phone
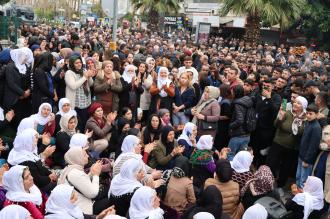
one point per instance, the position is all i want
(188, 134)
(284, 103)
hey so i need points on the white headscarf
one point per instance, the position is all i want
(14, 212)
(256, 211)
(142, 205)
(312, 197)
(125, 182)
(242, 162)
(203, 215)
(162, 81)
(127, 148)
(24, 150)
(297, 121)
(21, 57)
(13, 182)
(2, 115)
(114, 217)
(188, 128)
(26, 123)
(78, 140)
(60, 106)
(38, 118)
(205, 142)
(60, 206)
(129, 76)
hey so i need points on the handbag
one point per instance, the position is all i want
(209, 125)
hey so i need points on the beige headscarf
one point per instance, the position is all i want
(214, 94)
(73, 157)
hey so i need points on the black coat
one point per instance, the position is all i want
(41, 92)
(266, 111)
(124, 96)
(62, 146)
(16, 84)
(298, 211)
(240, 107)
(39, 173)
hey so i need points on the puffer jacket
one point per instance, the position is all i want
(239, 106)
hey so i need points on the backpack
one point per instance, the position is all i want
(274, 208)
(250, 122)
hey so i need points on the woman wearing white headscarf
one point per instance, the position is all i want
(203, 165)
(207, 112)
(256, 211)
(14, 212)
(283, 152)
(162, 92)
(44, 120)
(61, 204)
(25, 153)
(17, 84)
(25, 124)
(68, 124)
(64, 108)
(145, 204)
(21, 191)
(188, 138)
(86, 185)
(132, 89)
(203, 215)
(241, 168)
(309, 203)
(124, 184)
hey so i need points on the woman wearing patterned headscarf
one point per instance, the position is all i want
(261, 185)
(180, 191)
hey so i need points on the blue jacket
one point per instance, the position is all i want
(186, 98)
(310, 142)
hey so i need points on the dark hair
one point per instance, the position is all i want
(225, 91)
(312, 108)
(238, 91)
(234, 69)
(224, 170)
(323, 96)
(125, 110)
(188, 58)
(249, 82)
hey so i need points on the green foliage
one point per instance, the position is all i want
(274, 12)
(4, 2)
(160, 6)
(97, 9)
(316, 17)
(45, 13)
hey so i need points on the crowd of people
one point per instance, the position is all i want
(162, 127)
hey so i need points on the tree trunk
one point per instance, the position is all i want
(252, 29)
(153, 20)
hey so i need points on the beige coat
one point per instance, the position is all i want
(180, 194)
(73, 82)
(230, 196)
(145, 98)
(88, 187)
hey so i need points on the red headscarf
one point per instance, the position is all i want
(94, 106)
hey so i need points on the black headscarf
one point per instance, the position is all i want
(224, 170)
(44, 62)
(164, 133)
(182, 167)
(150, 130)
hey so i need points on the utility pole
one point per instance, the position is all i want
(115, 17)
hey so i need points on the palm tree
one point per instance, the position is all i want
(155, 7)
(274, 12)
